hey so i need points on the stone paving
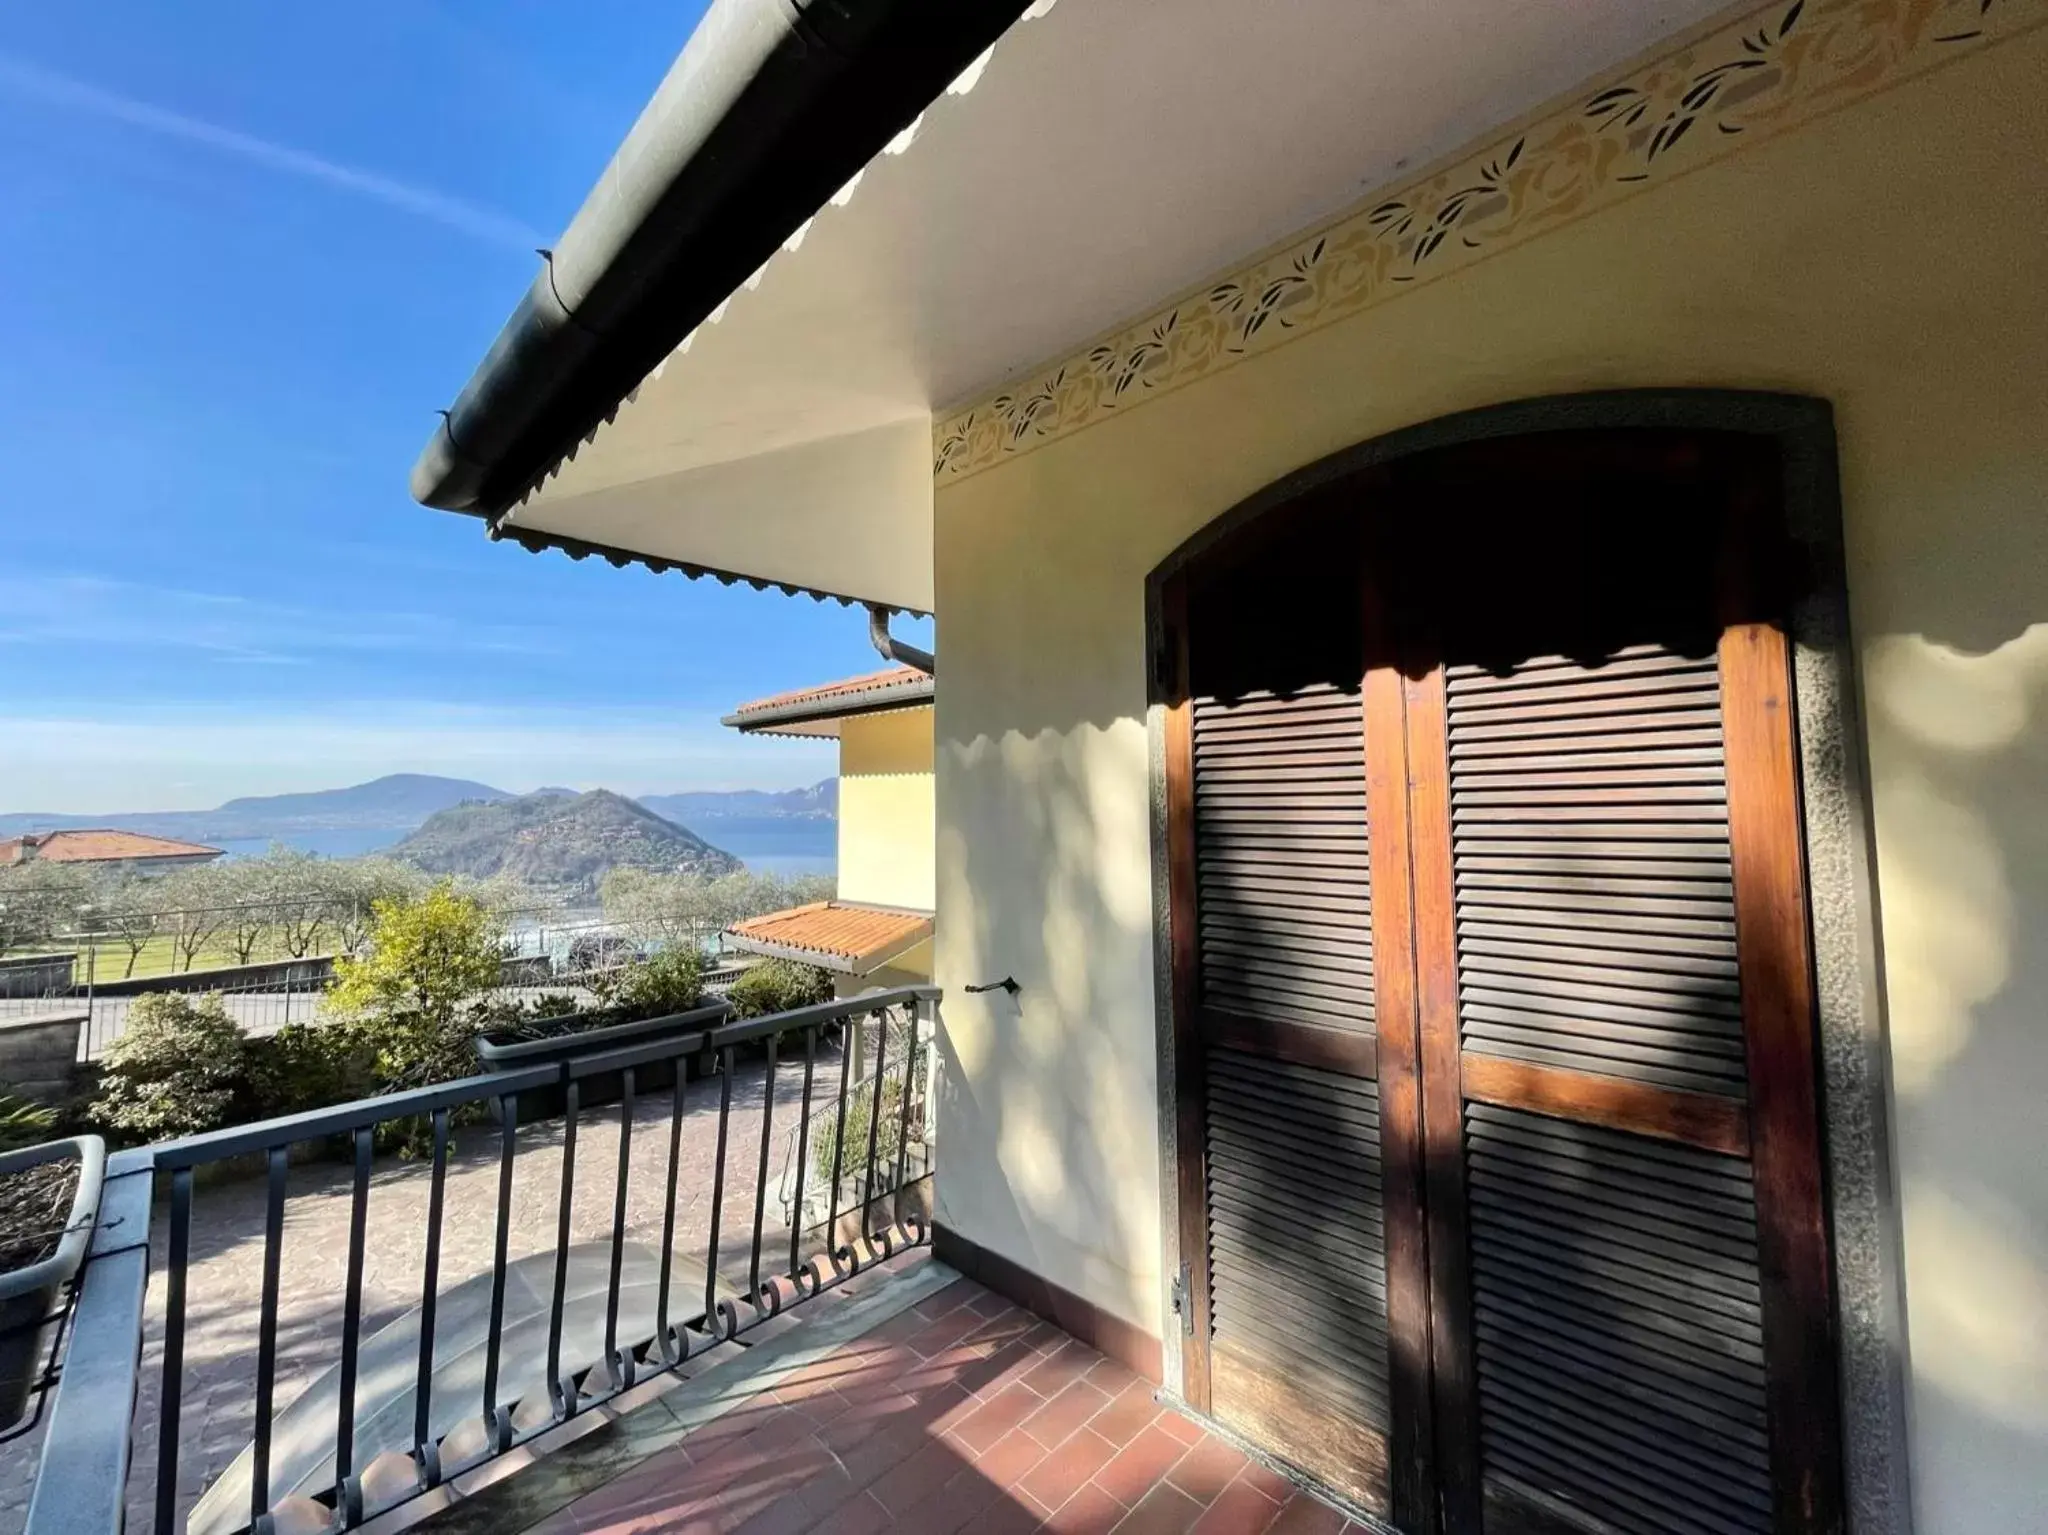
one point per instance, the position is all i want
(224, 1283)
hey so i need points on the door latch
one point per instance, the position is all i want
(1181, 1293)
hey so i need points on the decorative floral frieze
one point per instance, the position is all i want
(1783, 65)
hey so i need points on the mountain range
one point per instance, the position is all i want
(403, 802)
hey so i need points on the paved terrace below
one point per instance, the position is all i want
(941, 1407)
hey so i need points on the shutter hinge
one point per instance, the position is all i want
(1183, 1306)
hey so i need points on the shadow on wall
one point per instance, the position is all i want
(1960, 775)
(1051, 1153)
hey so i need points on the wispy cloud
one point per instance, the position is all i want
(26, 79)
(93, 613)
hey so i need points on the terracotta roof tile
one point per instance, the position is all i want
(98, 846)
(894, 687)
(839, 935)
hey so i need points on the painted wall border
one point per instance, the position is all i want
(1740, 82)
(1863, 1198)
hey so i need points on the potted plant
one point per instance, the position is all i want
(49, 1199)
(649, 999)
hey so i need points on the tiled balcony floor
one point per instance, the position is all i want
(961, 1411)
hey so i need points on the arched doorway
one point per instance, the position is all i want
(1500, 1166)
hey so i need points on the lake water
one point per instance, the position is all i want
(765, 844)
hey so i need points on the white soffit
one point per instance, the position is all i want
(1104, 156)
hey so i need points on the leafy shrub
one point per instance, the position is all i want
(669, 980)
(305, 1066)
(175, 1070)
(776, 986)
(24, 1123)
(426, 957)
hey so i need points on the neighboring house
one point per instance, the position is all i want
(878, 929)
(1472, 542)
(122, 852)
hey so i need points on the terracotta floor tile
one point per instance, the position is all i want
(961, 1292)
(1110, 1375)
(1267, 1481)
(1304, 1515)
(1139, 1464)
(1165, 1510)
(998, 1369)
(1053, 1423)
(988, 1303)
(1091, 1511)
(1128, 1412)
(1241, 1509)
(1059, 1368)
(1181, 1426)
(1208, 1467)
(997, 1416)
(920, 1476)
(1010, 1459)
(939, 1335)
(860, 1515)
(1069, 1468)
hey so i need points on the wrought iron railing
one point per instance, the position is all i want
(464, 1375)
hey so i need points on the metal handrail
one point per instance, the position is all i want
(81, 1486)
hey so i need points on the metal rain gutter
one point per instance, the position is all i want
(771, 108)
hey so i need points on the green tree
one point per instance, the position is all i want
(426, 956)
(39, 900)
(197, 900)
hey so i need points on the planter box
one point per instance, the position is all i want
(29, 1296)
(576, 1037)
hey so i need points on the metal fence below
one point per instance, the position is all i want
(544, 1238)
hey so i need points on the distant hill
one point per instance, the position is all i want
(398, 802)
(820, 802)
(563, 842)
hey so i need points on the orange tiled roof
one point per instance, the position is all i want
(839, 935)
(101, 847)
(896, 685)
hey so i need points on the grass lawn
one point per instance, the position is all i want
(107, 960)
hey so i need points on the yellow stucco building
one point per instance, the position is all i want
(877, 931)
(1492, 569)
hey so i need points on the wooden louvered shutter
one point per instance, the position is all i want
(1500, 1177)
(1282, 1207)
(1629, 1274)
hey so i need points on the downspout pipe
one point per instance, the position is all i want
(772, 107)
(896, 650)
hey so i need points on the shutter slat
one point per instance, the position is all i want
(1297, 1252)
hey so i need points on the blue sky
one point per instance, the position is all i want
(245, 251)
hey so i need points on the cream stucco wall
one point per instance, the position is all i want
(1891, 258)
(885, 809)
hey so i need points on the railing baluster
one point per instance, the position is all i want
(430, 1288)
(718, 1189)
(849, 1036)
(508, 1119)
(903, 1120)
(266, 1334)
(611, 1313)
(668, 1208)
(557, 1393)
(803, 1154)
(352, 1331)
(867, 1183)
(761, 1178)
(173, 1388)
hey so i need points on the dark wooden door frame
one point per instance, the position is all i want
(1802, 429)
